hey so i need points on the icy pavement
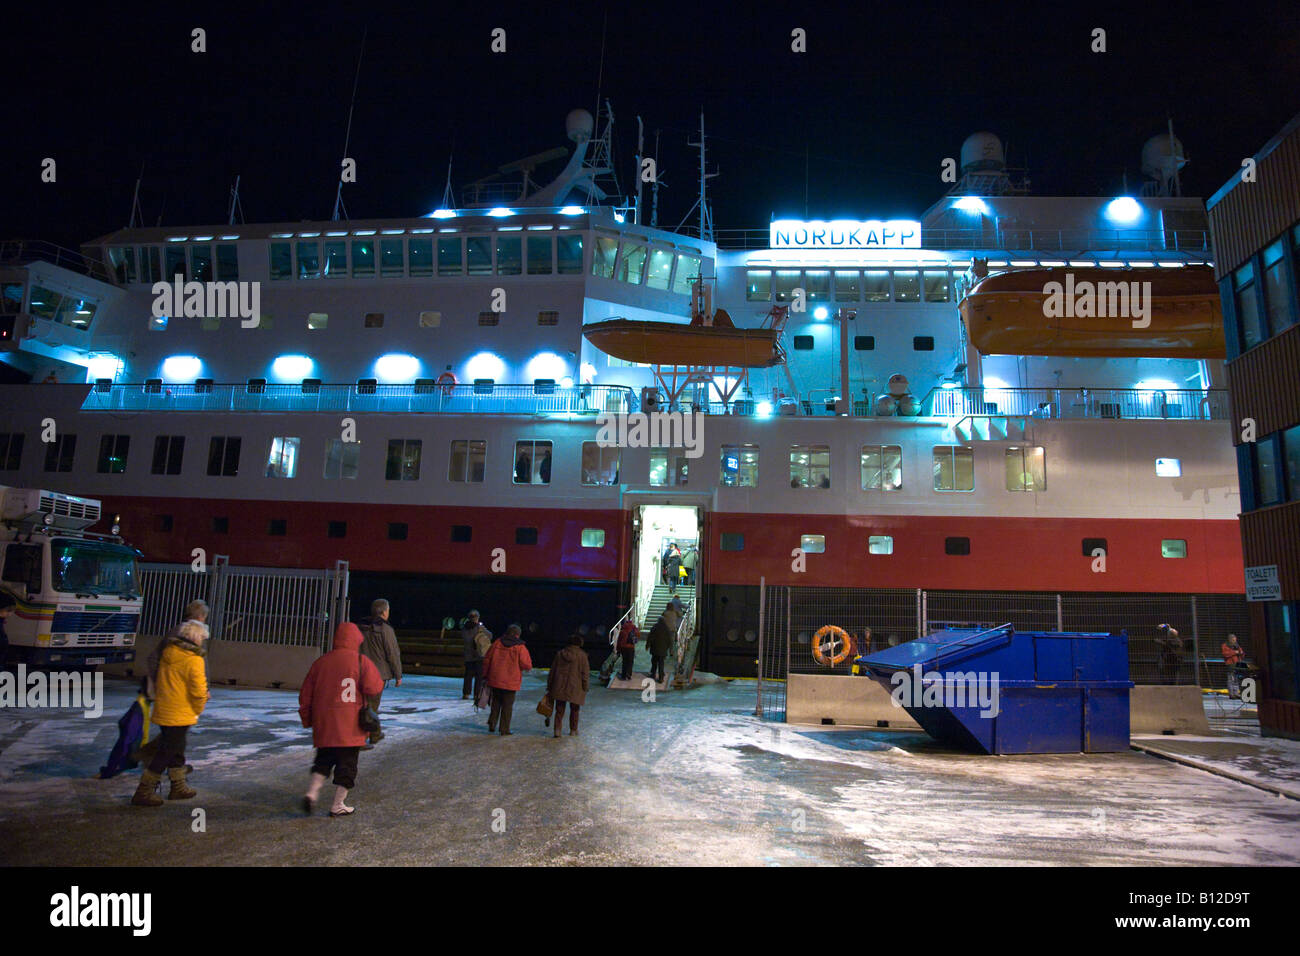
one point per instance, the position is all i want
(692, 778)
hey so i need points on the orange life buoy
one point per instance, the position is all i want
(825, 654)
(447, 382)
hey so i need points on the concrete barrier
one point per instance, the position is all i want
(852, 701)
(237, 663)
(1165, 708)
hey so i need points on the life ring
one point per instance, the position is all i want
(447, 382)
(835, 634)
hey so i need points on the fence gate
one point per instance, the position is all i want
(773, 650)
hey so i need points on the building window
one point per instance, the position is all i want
(1250, 325)
(363, 258)
(599, 465)
(568, 255)
(112, 454)
(223, 456)
(739, 466)
(510, 256)
(1173, 548)
(168, 451)
(468, 461)
(221, 525)
(956, 545)
(880, 544)
(403, 460)
(1268, 480)
(864, 343)
(461, 533)
(882, 467)
(397, 531)
(342, 458)
(282, 462)
(1026, 468)
(1168, 468)
(923, 343)
(803, 343)
(279, 527)
(668, 467)
(539, 256)
(525, 536)
(11, 450)
(532, 462)
(374, 320)
(336, 529)
(603, 257)
(317, 320)
(954, 468)
(1092, 545)
(1290, 452)
(1277, 300)
(731, 541)
(593, 537)
(758, 285)
(59, 453)
(937, 287)
(548, 318)
(1283, 649)
(907, 287)
(430, 320)
(812, 543)
(810, 466)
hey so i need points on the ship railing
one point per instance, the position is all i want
(685, 647)
(480, 398)
(1106, 403)
(23, 251)
(1023, 240)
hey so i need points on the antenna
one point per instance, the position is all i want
(654, 187)
(640, 148)
(347, 138)
(234, 204)
(1178, 181)
(136, 213)
(706, 217)
(448, 198)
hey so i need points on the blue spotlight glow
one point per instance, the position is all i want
(971, 204)
(1123, 209)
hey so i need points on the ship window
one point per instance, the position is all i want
(210, 323)
(1026, 468)
(525, 535)
(593, 537)
(532, 462)
(818, 285)
(175, 259)
(1277, 303)
(420, 256)
(803, 343)
(539, 256)
(954, 468)
(462, 533)
(937, 287)
(880, 544)
(122, 260)
(59, 453)
(374, 320)
(548, 318)
(1092, 545)
(11, 297)
(599, 465)
(342, 458)
(282, 462)
(731, 541)
(11, 450)
(391, 256)
(336, 529)
(281, 262)
(882, 467)
(510, 257)
(201, 263)
(309, 259)
(227, 262)
(907, 287)
(489, 318)
(812, 543)
(784, 283)
(168, 452)
(848, 285)
(164, 523)
(317, 320)
(758, 285)
(923, 343)
(956, 545)
(603, 258)
(875, 286)
(478, 254)
(450, 257)
(1250, 325)
(155, 264)
(430, 320)
(739, 466)
(661, 268)
(278, 527)
(403, 460)
(223, 456)
(363, 257)
(336, 259)
(568, 255)
(44, 304)
(668, 467)
(810, 466)
(397, 530)
(1173, 548)
(1169, 468)
(468, 460)
(688, 267)
(631, 263)
(864, 343)
(112, 454)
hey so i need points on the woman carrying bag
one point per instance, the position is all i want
(568, 683)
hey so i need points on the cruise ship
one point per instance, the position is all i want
(879, 406)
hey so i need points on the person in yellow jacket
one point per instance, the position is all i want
(180, 687)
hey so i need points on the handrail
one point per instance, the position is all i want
(26, 250)
(1105, 403)
(685, 627)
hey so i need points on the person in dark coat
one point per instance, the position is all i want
(1171, 653)
(473, 658)
(568, 683)
(626, 647)
(330, 702)
(379, 643)
(672, 566)
(660, 642)
(503, 672)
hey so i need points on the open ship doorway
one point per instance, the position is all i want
(661, 528)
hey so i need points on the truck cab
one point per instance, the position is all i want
(77, 592)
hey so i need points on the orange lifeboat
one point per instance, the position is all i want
(673, 343)
(1022, 312)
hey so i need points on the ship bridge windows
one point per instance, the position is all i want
(227, 262)
(954, 468)
(201, 263)
(468, 461)
(282, 461)
(631, 263)
(59, 453)
(882, 467)
(817, 284)
(938, 287)
(66, 310)
(1026, 468)
(688, 267)
(510, 256)
(907, 286)
(281, 261)
(784, 282)
(11, 450)
(336, 259)
(810, 466)
(419, 256)
(175, 260)
(151, 264)
(363, 258)
(122, 261)
(661, 269)
(532, 462)
(541, 254)
(599, 464)
(11, 297)
(758, 285)
(342, 458)
(848, 285)
(603, 257)
(451, 256)
(392, 256)
(668, 467)
(568, 255)
(223, 456)
(478, 255)
(739, 466)
(403, 459)
(875, 286)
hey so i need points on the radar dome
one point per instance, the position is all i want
(1162, 156)
(898, 385)
(982, 152)
(578, 125)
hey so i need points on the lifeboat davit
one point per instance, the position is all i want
(1021, 313)
(674, 343)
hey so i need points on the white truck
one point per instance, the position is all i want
(77, 593)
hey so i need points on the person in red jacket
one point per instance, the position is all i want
(330, 702)
(503, 671)
(626, 647)
(1233, 655)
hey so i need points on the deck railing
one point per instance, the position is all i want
(23, 251)
(1113, 403)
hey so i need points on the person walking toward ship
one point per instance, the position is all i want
(626, 647)
(673, 567)
(1170, 646)
(335, 689)
(689, 560)
(379, 643)
(568, 682)
(660, 642)
(473, 656)
(180, 687)
(503, 671)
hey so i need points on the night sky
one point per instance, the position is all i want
(884, 92)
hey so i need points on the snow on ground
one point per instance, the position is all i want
(692, 778)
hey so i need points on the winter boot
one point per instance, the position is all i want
(146, 794)
(180, 789)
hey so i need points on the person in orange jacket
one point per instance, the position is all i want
(1233, 655)
(503, 672)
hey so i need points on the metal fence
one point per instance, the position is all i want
(284, 606)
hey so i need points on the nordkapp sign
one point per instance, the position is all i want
(844, 234)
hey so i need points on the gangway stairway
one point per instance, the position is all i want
(659, 600)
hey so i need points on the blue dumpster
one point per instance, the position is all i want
(996, 691)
